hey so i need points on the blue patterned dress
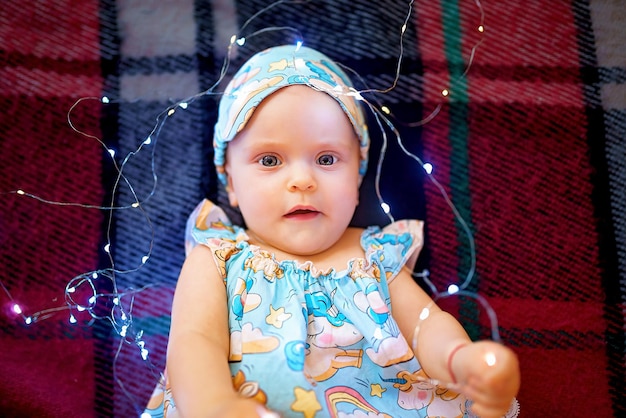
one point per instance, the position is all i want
(318, 343)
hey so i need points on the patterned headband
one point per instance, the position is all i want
(271, 70)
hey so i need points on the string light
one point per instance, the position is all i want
(122, 320)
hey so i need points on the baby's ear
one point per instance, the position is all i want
(230, 191)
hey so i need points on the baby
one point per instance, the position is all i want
(300, 314)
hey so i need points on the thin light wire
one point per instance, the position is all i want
(383, 122)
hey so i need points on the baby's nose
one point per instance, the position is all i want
(301, 177)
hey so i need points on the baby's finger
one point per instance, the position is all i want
(486, 400)
(265, 413)
(483, 411)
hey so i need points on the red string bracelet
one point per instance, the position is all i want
(451, 356)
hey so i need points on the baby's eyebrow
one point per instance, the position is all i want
(261, 144)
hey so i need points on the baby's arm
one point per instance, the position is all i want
(447, 354)
(198, 347)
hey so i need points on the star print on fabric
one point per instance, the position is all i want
(377, 390)
(277, 317)
(306, 402)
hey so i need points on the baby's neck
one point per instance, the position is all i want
(348, 247)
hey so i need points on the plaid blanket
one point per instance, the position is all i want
(528, 142)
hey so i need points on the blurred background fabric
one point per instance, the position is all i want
(530, 144)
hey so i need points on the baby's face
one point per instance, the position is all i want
(294, 171)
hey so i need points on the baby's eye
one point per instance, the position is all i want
(269, 161)
(326, 159)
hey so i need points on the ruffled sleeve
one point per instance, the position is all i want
(206, 217)
(394, 246)
(208, 225)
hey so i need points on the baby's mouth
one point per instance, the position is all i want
(302, 213)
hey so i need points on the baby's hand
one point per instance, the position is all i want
(240, 407)
(489, 375)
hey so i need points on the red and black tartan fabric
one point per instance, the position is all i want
(529, 144)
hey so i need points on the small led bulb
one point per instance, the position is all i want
(452, 289)
(385, 207)
(490, 359)
(424, 314)
(428, 168)
(17, 309)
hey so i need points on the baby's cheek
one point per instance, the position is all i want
(422, 395)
